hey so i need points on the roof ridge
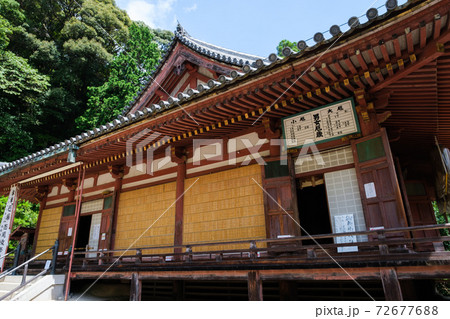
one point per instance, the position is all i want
(181, 33)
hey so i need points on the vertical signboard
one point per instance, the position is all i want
(5, 226)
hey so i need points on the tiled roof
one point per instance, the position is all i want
(214, 51)
(255, 65)
(204, 48)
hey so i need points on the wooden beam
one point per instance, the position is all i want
(391, 285)
(384, 52)
(136, 288)
(398, 51)
(317, 74)
(361, 273)
(329, 72)
(339, 69)
(437, 26)
(423, 34)
(349, 64)
(409, 40)
(431, 52)
(361, 60)
(255, 292)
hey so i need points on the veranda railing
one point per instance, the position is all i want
(403, 240)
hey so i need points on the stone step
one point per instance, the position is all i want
(8, 286)
(17, 279)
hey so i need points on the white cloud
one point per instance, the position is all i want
(191, 8)
(156, 14)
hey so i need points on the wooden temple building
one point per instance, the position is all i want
(235, 177)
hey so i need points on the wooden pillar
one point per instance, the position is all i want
(117, 172)
(136, 287)
(41, 197)
(255, 292)
(178, 290)
(178, 156)
(24, 239)
(391, 285)
(288, 290)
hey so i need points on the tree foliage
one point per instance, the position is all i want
(65, 60)
(286, 43)
(51, 52)
(26, 213)
(26, 216)
(129, 70)
(21, 88)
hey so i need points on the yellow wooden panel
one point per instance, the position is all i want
(146, 218)
(224, 206)
(48, 230)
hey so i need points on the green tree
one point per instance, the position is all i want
(71, 43)
(26, 215)
(129, 70)
(21, 88)
(286, 43)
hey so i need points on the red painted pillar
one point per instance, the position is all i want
(179, 158)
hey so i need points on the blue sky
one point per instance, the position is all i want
(250, 26)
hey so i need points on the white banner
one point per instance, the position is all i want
(10, 210)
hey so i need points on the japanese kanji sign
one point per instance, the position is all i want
(321, 124)
(6, 223)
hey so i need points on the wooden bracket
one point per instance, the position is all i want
(70, 183)
(118, 171)
(41, 193)
(360, 97)
(178, 154)
(383, 116)
(382, 100)
(270, 129)
(190, 67)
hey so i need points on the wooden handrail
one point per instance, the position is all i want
(297, 239)
(305, 247)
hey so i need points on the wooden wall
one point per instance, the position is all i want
(138, 210)
(224, 206)
(48, 230)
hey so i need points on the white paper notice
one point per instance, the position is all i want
(69, 232)
(370, 190)
(345, 224)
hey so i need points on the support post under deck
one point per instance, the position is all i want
(391, 285)
(136, 288)
(255, 292)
